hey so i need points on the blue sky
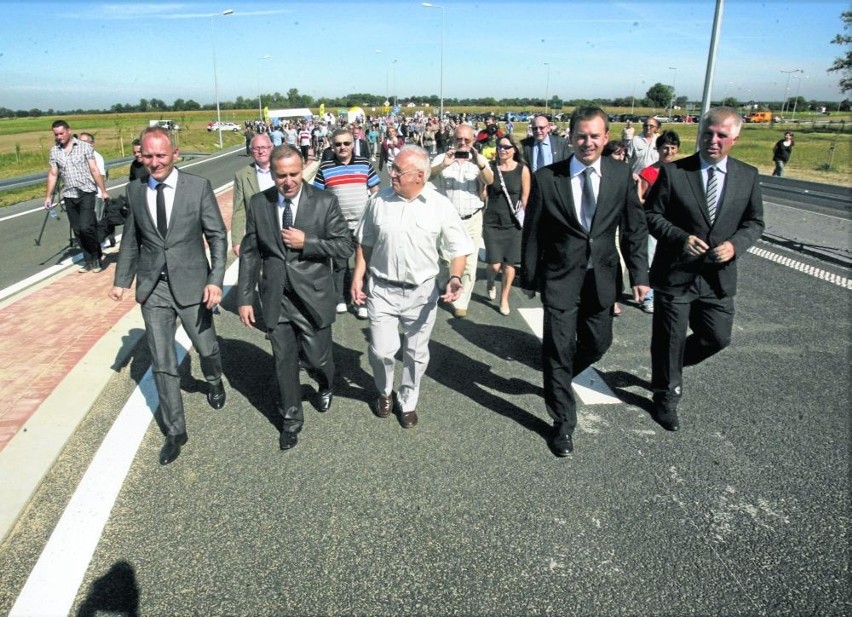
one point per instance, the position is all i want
(90, 54)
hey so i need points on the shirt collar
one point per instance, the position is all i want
(170, 181)
(721, 166)
(577, 167)
(294, 201)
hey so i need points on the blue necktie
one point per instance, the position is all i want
(287, 217)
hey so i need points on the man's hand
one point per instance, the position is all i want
(639, 293)
(695, 246)
(723, 253)
(356, 291)
(116, 293)
(453, 290)
(212, 296)
(48, 204)
(247, 315)
(293, 238)
(237, 250)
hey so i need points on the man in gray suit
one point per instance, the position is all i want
(171, 215)
(544, 148)
(705, 211)
(250, 180)
(293, 231)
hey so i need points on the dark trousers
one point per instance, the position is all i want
(84, 224)
(574, 339)
(711, 320)
(292, 336)
(160, 312)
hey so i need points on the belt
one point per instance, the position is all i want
(397, 284)
(470, 216)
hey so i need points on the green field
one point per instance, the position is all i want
(821, 154)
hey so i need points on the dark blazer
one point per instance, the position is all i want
(245, 187)
(676, 208)
(145, 253)
(556, 249)
(560, 148)
(308, 271)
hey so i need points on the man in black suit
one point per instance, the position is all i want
(544, 148)
(569, 256)
(293, 231)
(705, 212)
(171, 214)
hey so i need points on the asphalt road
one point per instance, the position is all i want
(745, 511)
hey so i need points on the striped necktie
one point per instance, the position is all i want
(712, 193)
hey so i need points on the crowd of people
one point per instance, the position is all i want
(567, 216)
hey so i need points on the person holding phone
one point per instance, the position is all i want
(461, 174)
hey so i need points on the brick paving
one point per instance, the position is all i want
(45, 334)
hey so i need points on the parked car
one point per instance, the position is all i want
(226, 126)
(661, 118)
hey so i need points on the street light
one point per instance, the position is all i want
(546, 87)
(259, 102)
(787, 88)
(215, 74)
(674, 89)
(429, 5)
(633, 95)
(798, 87)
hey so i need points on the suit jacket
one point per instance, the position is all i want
(556, 250)
(181, 254)
(306, 272)
(560, 149)
(676, 208)
(245, 187)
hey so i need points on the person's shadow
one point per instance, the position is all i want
(116, 593)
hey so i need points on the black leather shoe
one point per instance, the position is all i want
(667, 419)
(216, 395)
(384, 406)
(171, 449)
(325, 397)
(288, 440)
(408, 419)
(562, 445)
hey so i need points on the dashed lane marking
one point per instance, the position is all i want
(819, 273)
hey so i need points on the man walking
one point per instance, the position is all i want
(352, 179)
(253, 179)
(705, 212)
(569, 255)
(75, 161)
(642, 149)
(461, 175)
(544, 148)
(171, 216)
(293, 231)
(399, 239)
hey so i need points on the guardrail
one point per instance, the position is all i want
(837, 200)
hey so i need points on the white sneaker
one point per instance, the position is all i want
(363, 313)
(341, 307)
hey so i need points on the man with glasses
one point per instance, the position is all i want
(253, 179)
(642, 150)
(461, 175)
(352, 179)
(398, 242)
(544, 148)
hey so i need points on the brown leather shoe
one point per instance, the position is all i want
(408, 419)
(384, 406)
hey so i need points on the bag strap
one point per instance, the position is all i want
(503, 185)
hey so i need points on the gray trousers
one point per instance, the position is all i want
(414, 310)
(160, 312)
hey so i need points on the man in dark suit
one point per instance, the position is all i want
(170, 216)
(705, 212)
(544, 148)
(293, 231)
(569, 256)
(248, 181)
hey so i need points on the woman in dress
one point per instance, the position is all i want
(500, 230)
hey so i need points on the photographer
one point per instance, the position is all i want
(462, 175)
(486, 139)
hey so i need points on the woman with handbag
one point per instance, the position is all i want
(503, 220)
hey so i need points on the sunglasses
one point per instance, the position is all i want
(339, 144)
(505, 147)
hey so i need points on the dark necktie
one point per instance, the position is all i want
(539, 163)
(287, 216)
(588, 202)
(712, 193)
(162, 219)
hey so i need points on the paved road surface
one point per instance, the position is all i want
(743, 512)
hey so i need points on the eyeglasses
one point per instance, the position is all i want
(462, 140)
(341, 144)
(395, 171)
(261, 149)
(651, 126)
(505, 146)
(538, 128)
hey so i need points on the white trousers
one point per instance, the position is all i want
(473, 226)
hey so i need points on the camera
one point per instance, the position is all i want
(461, 154)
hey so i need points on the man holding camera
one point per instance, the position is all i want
(462, 175)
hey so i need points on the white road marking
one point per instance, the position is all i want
(830, 277)
(55, 580)
(589, 386)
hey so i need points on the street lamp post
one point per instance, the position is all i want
(546, 87)
(633, 95)
(215, 74)
(787, 87)
(429, 5)
(674, 90)
(259, 96)
(798, 88)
